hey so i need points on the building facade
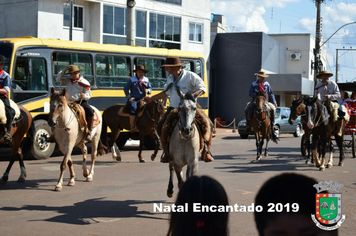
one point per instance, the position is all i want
(180, 24)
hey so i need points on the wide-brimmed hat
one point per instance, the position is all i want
(173, 61)
(141, 67)
(324, 72)
(262, 74)
(72, 69)
(2, 59)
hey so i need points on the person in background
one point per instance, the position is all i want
(78, 90)
(136, 89)
(5, 85)
(207, 191)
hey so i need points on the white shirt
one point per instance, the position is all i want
(75, 89)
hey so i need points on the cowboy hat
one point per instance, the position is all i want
(2, 59)
(324, 72)
(262, 74)
(72, 69)
(141, 67)
(173, 61)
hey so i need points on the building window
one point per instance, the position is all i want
(195, 32)
(176, 2)
(164, 30)
(114, 20)
(78, 16)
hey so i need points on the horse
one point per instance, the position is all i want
(323, 126)
(146, 124)
(69, 132)
(261, 124)
(184, 145)
(298, 109)
(23, 125)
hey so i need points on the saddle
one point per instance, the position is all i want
(79, 112)
(14, 106)
(203, 124)
(124, 110)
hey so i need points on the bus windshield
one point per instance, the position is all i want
(6, 51)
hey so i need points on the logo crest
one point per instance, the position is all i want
(328, 206)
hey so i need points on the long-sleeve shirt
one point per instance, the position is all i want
(331, 89)
(188, 82)
(5, 81)
(266, 86)
(133, 88)
(75, 87)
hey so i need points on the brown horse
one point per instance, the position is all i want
(298, 109)
(261, 124)
(146, 125)
(23, 125)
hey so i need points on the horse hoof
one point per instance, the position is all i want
(329, 166)
(341, 164)
(170, 195)
(70, 183)
(142, 161)
(89, 180)
(21, 180)
(118, 158)
(266, 154)
(321, 168)
(58, 189)
(258, 158)
(2, 181)
(153, 157)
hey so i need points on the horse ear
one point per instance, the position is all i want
(196, 95)
(64, 91)
(52, 91)
(314, 99)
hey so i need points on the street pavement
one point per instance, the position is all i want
(120, 200)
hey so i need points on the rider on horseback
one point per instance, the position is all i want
(327, 89)
(260, 85)
(187, 81)
(78, 90)
(136, 89)
(5, 85)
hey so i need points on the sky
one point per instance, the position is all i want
(299, 16)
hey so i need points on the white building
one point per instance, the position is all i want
(181, 24)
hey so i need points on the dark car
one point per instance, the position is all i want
(281, 124)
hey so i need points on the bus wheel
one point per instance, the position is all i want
(41, 148)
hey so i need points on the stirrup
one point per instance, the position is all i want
(7, 138)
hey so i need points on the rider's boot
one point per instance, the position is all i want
(133, 124)
(206, 154)
(90, 121)
(7, 138)
(272, 120)
(165, 155)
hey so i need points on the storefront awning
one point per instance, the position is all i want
(291, 83)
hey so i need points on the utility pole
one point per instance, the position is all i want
(71, 20)
(130, 23)
(317, 38)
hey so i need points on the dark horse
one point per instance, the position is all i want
(322, 127)
(298, 109)
(261, 124)
(23, 125)
(146, 125)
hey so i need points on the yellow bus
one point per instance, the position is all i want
(34, 63)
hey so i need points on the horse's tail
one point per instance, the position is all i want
(273, 135)
(27, 144)
(102, 149)
(104, 133)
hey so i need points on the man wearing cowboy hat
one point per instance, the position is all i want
(327, 89)
(260, 85)
(5, 85)
(136, 89)
(78, 90)
(187, 81)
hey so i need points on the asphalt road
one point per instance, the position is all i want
(120, 199)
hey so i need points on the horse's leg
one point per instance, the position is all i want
(154, 135)
(5, 177)
(62, 169)
(258, 147)
(179, 173)
(94, 151)
(115, 132)
(71, 181)
(23, 174)
(266, 149)
(323, 152)
(339, 142)
(142, 142)
(170, 190)
(314, 152)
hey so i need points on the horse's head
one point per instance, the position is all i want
(311, 109)
(297, 109)
(260, 101)
(187, 110)
(58, 102)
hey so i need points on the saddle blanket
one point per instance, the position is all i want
(3, 111)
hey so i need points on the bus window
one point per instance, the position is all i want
(30, 76)
(156, 74)
(198, 69)
(63, 59)
(112, 71)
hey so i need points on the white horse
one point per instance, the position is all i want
(184, 145)
(68, 133)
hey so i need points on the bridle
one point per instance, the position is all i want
(260, 110)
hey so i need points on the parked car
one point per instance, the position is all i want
(281, 124)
